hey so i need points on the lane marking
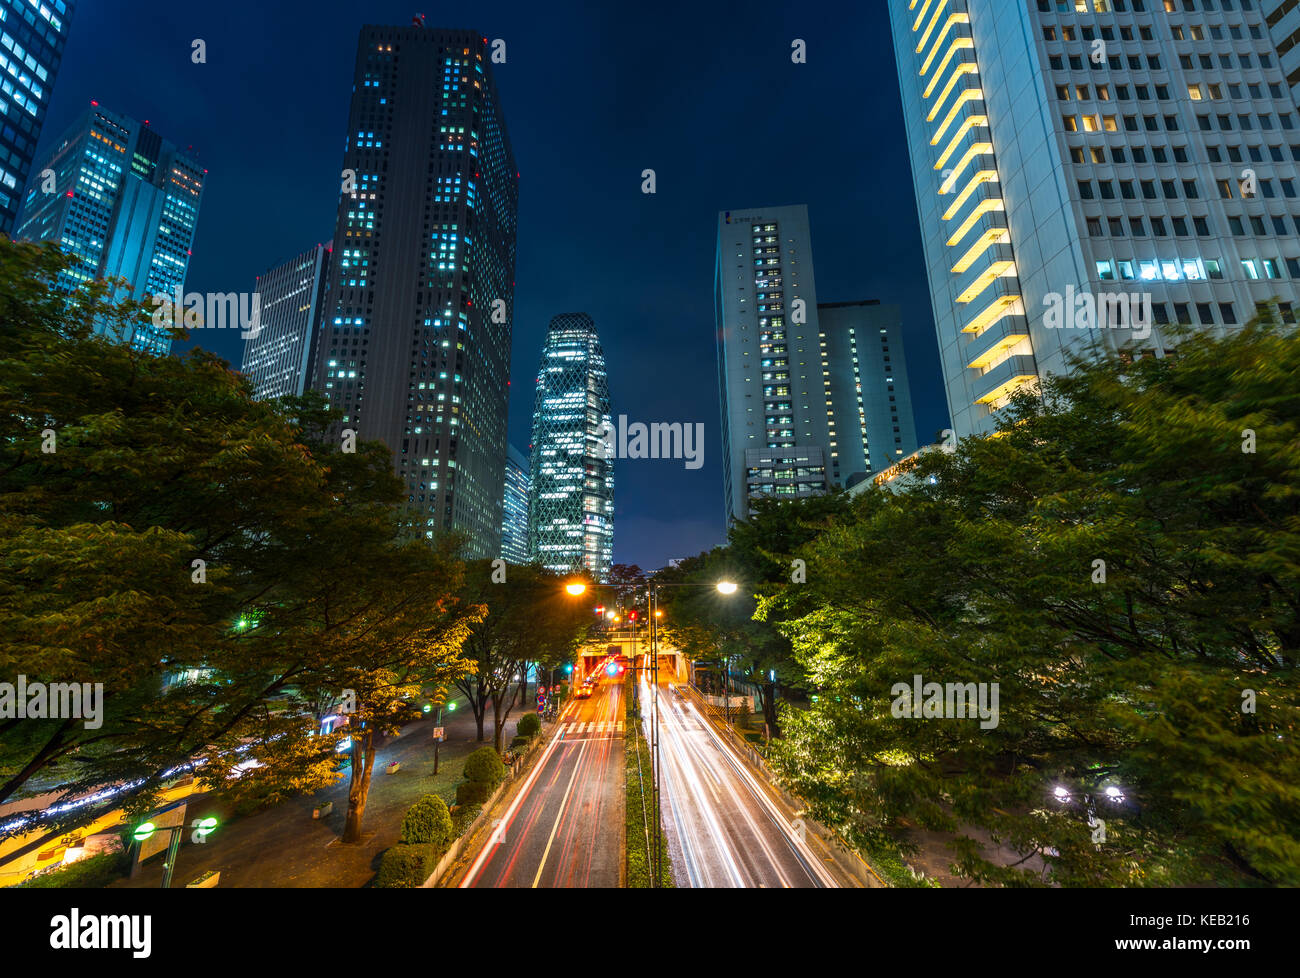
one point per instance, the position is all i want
(563, 805)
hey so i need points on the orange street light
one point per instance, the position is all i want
(575, 587)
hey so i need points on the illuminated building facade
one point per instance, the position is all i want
(415, 347)
(32, 37)
(514, 531)
(571, 496)
(280, 355)
(813, 395)
(127, 204)
(1135, 152)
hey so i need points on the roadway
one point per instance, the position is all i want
(723, 827)
(564, 825)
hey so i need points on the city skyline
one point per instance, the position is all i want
(981, 314)
(293, 183)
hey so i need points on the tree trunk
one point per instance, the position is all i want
(769, 708)
(359, 790)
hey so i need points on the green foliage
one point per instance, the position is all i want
(485, 766)
(530, 725)
(427, 821)
(529, 620)
(473, 792)
(174, 508)
(519, 743)
(463, 817)
(985, 571)
(93, 872)
(406, 866)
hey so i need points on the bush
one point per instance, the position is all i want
(406, 866)
(529, 725)
(518, 744)
(91, 873)
(427, 821)
(472, 792)
(484, 766)
(464, 818)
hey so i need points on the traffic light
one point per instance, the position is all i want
(631, 616)
(568, 670)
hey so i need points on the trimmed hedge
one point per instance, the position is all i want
(473, 792)
(464, 818)
(519, 742)
(91, 873)
(530, 725)
(427, 821)
(484, 766)
(406, 866)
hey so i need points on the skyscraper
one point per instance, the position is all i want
(514, 531)
(415, 350)
(571, 498)
(1068, 156)
(126, 202)
(280, 355)
(869, 399)
(810, 395)
(1283, 19)
(32, 37)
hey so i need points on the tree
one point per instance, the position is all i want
(1126, 574)
(213, 561)
(529, 620)
(759, 557)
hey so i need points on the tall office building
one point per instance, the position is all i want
(571, 498)
(127, 204)
(514, 530)
(869, 399)
(1283, 19)
(32, 36)
(808, 398)
(415, 350)
(280, 355)
(1066, 154)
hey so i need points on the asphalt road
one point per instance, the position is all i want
(723, 828)
(564, 826)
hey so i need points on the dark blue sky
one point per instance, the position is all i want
(593, 93)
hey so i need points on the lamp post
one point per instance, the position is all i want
(652, 608)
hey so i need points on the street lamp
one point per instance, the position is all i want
(727, 587)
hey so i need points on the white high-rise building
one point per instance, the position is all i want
(812, 396)
(1122, 155)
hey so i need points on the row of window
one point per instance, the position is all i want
(1245, 122)
(1240, 227)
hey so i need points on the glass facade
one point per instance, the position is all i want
(279, 358)
(514, 532)
(32, 37)
(125, 202)
(571, 502)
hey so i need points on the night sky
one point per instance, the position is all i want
(593, 94)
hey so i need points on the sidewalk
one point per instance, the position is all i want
(284, 847)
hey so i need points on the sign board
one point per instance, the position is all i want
(159, 840)
(439, 733)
